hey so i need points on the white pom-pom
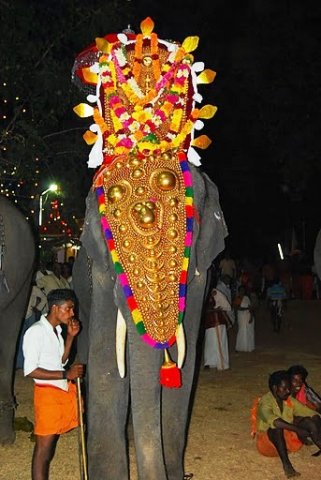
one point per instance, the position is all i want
(92, 98)
(94, 128)
(197, 97)
(198, 66)
(122, 38)
(193, 157)
(95, 68)
(198, 125)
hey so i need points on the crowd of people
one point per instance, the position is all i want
(236, 290)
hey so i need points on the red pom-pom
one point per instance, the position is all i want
(170, 377)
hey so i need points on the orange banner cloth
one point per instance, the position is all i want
(56, 410)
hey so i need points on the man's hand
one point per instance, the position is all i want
(73, 328)
(75, 371)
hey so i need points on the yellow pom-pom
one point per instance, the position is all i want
(89, 137)
(202, 142)
(103, 45)
(190, 44)
(207, 76)
(83, 110)
(147, 26)
(89, 76)
(208, 111)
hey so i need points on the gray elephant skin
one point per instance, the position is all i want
(17, 269)
(160, 416)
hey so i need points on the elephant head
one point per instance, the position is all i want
(144, 91)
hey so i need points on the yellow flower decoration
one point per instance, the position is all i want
(89, 137)
(147, 26)
(89, 76)
(190, 44)
(207, 112)
(83, 110)
(103, 45)
(202, 142)
(207, 76)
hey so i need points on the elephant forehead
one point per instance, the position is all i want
(146, 213)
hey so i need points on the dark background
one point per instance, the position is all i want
(265, 152)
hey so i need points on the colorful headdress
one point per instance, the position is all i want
(144, 90)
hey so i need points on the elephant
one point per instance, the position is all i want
(17, 254)
(153, 227)
(160, 416)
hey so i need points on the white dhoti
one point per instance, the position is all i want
(245, 336)
(216, 353)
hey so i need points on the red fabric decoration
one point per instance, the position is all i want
(170, 377)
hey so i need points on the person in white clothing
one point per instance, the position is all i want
(216, 353)
(245, 320)
(54, 280)
(36, 306)
(224, 286)
(55, 397)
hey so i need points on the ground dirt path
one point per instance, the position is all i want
(219, 443)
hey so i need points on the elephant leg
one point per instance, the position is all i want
(176, 402)
(145, 390)
(10, 322)
(108, 394)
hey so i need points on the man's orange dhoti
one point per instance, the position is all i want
(266, 447)
(56, 410)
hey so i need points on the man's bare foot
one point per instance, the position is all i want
(290, 472)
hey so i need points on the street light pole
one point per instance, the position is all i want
(52, 188)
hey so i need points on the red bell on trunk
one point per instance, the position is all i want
(170, 374)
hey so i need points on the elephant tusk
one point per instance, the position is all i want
(197, 273)
(181, 345)
(121, 331)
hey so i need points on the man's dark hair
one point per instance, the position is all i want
(298, 370)
(60, 296)
(277, 377)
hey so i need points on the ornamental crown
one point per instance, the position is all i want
(141, 93)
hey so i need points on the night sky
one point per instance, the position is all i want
(265, 155)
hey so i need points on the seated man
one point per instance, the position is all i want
(282, 420)
(301, 390)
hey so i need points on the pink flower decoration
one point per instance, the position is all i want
(125, 142)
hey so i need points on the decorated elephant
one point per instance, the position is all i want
(17, 251)
(152, 228)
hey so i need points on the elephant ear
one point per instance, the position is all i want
(92, 238)
(212, 227)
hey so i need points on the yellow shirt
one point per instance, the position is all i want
(269, 411)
